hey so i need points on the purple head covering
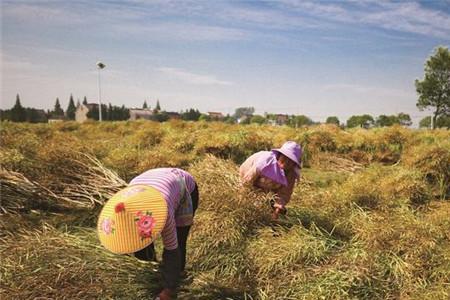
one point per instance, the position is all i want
(292, 150)
(269, 168)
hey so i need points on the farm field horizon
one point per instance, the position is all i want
(369, 218)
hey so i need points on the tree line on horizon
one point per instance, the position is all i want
(433, 91)
(242, 115)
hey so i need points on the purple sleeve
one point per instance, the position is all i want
(251, 168)
(169, 232)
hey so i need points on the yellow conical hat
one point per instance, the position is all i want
(132, 219)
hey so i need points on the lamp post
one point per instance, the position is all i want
(100, 66)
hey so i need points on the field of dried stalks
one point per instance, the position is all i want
(370, 218)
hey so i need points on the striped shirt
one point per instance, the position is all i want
(166, 181)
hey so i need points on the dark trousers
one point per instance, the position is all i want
(174, 261)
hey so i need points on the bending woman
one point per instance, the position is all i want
(275, 171)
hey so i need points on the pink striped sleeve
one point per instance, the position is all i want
(169, 233)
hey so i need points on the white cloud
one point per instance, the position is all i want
(192, 78)
(22, 12)
(411, 17)
(183, 32)
(400, 16)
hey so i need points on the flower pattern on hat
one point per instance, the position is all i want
(145, 224)
(119, 207)
(107, 226)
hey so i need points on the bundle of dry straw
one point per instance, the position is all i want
(21, 194)
(86, 183)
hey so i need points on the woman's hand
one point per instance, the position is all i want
(166, 294)
(276, 213)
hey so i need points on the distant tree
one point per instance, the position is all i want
(158, 106)
(57, 110)
(145, 106)
(443, 121)
(229, 119)
(109, 113)
(270, 117)
(5, 114)
(384, 120)
(125, 113)
(434, 89)
(160, 116)
(204, 117)
(404, 119)
(71, 109)
(35, 115)
(17, 113)
(401, 118)
(258, 119)
(425, 122)
(93, 112)
(361, 121)
(332, 120)
(243, 111)
(191, 115)
(300, 120)
(85, 101)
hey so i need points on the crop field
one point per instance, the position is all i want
(369, 219)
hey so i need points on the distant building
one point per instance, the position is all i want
(281, 119)
(140, 113)
(215, 115)
(278, 119)
(82, 111)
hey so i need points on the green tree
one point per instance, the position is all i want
(109, 113)
(93, 112)
(35, 115)
(191, 115)
(158, 106)
(18, 113)
(434, 89)
(160, 116)
(332, 120)
(204, 117)
(443, 121)
(85, 101)
(125, 113)
(425, 122)
(361, 121)
(300, 120)
(258, 119)
(71, 109)
(384, 120)
(243, 111)
(229, 119)
(145, 106)
(5, 114)
(57, 110)
(404, 119)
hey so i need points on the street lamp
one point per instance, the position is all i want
(100, 66)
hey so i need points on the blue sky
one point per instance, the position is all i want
(318, 58)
